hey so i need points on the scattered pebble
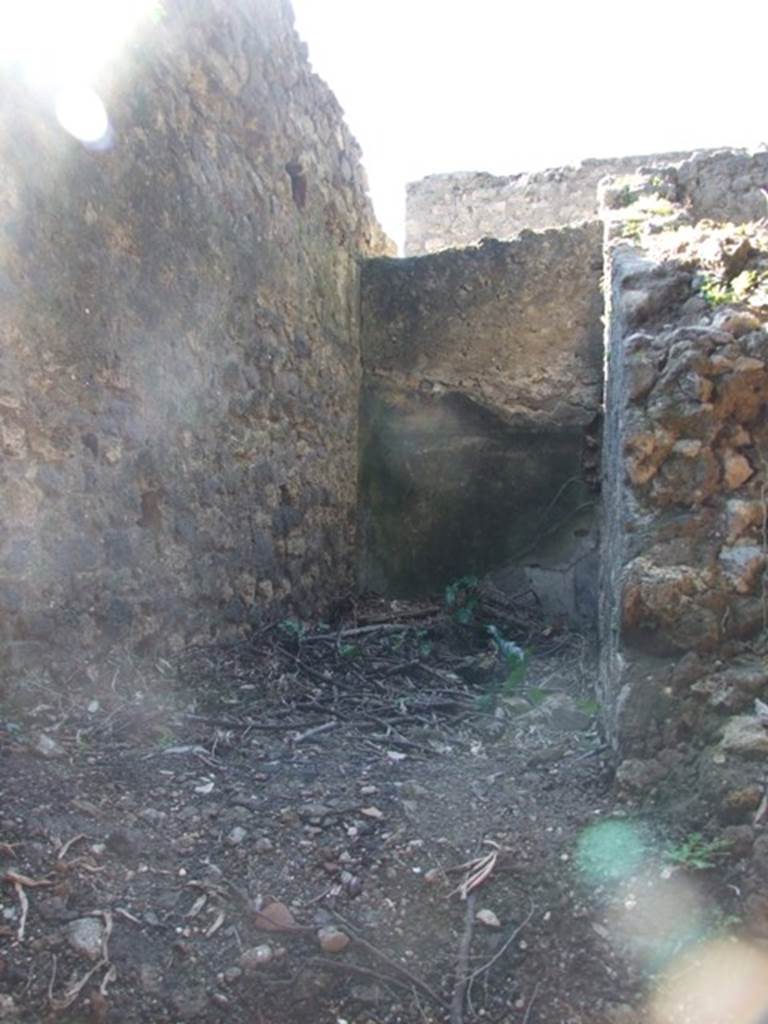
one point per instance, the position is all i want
(47, 747)
(236, 836)
(332, 940)
(372, 812)
(488, 918)
(85, 936)
(255, 957)
(8, 1008)
(263, 845)
(152, 816)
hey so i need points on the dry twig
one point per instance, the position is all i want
(499, 952)
(74, 990)
(478, 870)
(462, 963)
(374, 951)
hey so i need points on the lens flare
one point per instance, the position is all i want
(725, 982)
(611, 851)
(658, 918)
(81, 113)
(56, 43)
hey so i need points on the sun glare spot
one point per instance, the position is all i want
(610, 851)
(81, 113)
(60, 48)
(724, 983)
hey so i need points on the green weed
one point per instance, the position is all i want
(717, 292)
(588, 705)
(350, 650)
(632, 230)
(462, 598)
(514, 659)
(293, 628)
(697, 853)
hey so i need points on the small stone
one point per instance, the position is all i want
(236, 836)
(354, 887)
(332, 940)
(642, 374)
(153, 816)
(743, 567)
(740, 839)
(488, 918)
(737, 470)
(372, 812)
(748, 364)
(85, 936)
(231, 975)
(47, 747)
(745, 735)
(256, 957)
(741, 517)
(637, 776)
(693, 308)
(737, 322)
(263, 845)
(516, 705)
(8, 1008)
(410, 788)
(739, 804)
(560, 712)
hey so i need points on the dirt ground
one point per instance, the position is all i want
(368, 823)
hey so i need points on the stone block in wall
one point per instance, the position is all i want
(449, 211)
(684, 546)
(482, 383)
(179, 352)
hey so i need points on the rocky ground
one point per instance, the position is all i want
(371, 823)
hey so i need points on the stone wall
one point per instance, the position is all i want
(180, 344)
(445, 211)
(685, 461)
(482, 381)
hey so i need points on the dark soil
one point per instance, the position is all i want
(347, 775)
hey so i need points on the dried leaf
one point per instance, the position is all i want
(275, 917)
(219, 921)
(197, 906)
(488, 918)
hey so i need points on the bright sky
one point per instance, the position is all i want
(503, 86)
